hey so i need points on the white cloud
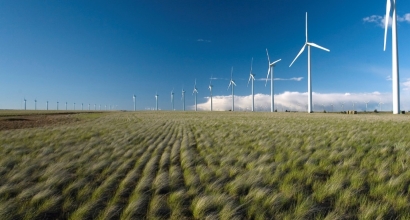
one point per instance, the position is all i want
(202, 40)
(296, 101)
(380, 20)
(406, 85)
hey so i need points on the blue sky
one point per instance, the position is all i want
(103, 52)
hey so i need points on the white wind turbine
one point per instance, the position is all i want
(366, 105)
(252, 77)
(82, 106)
(35, 104)
(95, 107)
(89, 107)
(47, 105)
(307, 43)
(133, 99)
(196, 93)
(172, 99)
(232, 82)
(270, 71)
(391, 7)
(210, 90)
(156, 102)
(74, 105)
(183, 100)
(25, 106)
(100, 107)
(66, 106)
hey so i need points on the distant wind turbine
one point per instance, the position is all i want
(270, 71)
(391, 7)
(183, 100)
(307, 43)
(95, 107)
(89, 107)
(35, 104)
(100, 106)
(82, 106)
(156, 102)
(66, 106)
(232, 82)
(25, 106)
(366, 105)
(133, 99)
(47, 105)
(196, 93)
(57, 105)
(252, 77)
(172, 100)
(210, 90)
(74, 105)
(342, 106)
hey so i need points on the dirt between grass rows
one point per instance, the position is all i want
(33, 121)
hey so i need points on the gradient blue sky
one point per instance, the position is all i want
(103, 52)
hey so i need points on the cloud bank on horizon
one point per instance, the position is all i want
(296, 101)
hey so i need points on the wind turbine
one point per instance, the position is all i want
(156, 101)
(25, 106)
(66, 106)
(196, 93)
(252, 77)
(47, 105)
(89, 107)
(232, 82)
(172, 99)
(342, 106)
(57, 105)
(270, 71)
(74, 105)
(391, 7)
(95, 107)
(210, 90)
(100, 107)
(183, 100)
(307, 43)
(82, 106)
(366, 105)
(354, 109)
(35, 104)
(133, 99)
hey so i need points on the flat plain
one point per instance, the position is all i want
(206, 165)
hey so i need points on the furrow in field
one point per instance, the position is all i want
(140, 198)
(121, 195)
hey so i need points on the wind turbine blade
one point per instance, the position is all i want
(230, 82)
(250, 76)
(317, 46)
(275, 62)
(301, 51)
(233, 83)
(251, 65)
(267, 54)
(231, 72)
(267, 76)
(386, 22)
(306, 28)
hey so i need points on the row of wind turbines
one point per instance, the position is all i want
(111, 107)
(390, 8)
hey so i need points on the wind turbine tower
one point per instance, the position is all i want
(232, 82)
(252, 77)
(270, 71)
(156, 102)
(210, 90)
(172, 99)
(82, 106)
(196, 93)
(35, 104)
(391, 7)
(183, 100)
(66, 106)
(366, 105)
(47, 105)
(95, 107)
(308, 44)
(133, 98)
(57, 105)
(25, 106)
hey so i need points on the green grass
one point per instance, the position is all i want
(208, 165)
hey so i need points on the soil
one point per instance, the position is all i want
(33, 121)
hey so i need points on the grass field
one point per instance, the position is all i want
(208, 165)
